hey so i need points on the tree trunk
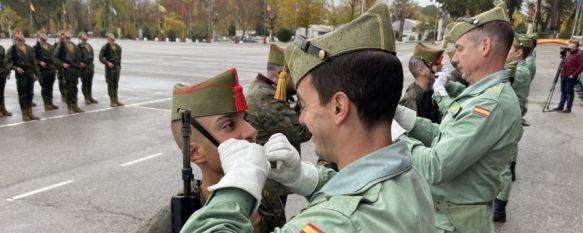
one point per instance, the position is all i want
(401, 28)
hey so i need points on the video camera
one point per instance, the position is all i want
(564, 51)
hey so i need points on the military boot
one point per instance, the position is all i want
(112, 103)
(500, 210)
(33, 104)
(512, 170)
(118, 103)
(70, 109)
(31, 115)
(87, 101)
(93, 101)
(52, 104)
(4, 111)
(48, 105)
(77, 109)
(25, 116)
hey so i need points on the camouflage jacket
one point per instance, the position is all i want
(46, 55)
(425, 107)
(86, 53)
(270, 116)
(271, 210)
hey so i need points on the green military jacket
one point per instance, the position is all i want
(46, 55)
(462, 157)
(380, 192)
(86, 54)
(271, 209)
(269, 116)
(70, 55)
(18, 58)
(521, 85)
(413, 99)
(531, 64)
(107, 54)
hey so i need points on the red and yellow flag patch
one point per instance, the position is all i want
(481, 111)
(311, 228)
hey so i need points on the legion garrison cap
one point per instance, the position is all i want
(275, 55)
(429, 55)
(370, 31)
(463, 25)
(221, 94)
(522, 40)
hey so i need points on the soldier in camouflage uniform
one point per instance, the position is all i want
(110, 56)
(69, 57)
(423, 64)
(20, 58)
(220, 111)
(45, 56)
(4, 75)
(268, 115)
(60, 70)
(87, 68)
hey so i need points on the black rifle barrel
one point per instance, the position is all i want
(186, 168)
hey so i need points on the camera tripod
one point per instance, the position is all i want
(550, 97)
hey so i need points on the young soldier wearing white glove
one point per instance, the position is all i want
(218, 108)
(349, 89)
(462, 157)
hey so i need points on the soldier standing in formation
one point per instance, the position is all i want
(20, 58)
(349, 90)
(87, 68)
(60, 50)
(4, 75)
(423, 65)
(110, 56)
(473, 144)
(45, 56)
(69, 58)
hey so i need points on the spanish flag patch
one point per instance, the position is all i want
(311, 228)
(481, 111)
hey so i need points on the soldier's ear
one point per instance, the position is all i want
(197, 153)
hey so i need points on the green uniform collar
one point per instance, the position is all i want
(485, 83)
(369, 170)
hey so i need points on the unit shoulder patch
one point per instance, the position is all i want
(484, 112)
(311, 228)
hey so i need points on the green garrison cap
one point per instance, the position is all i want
(523, 41)
(275, 55)
(221, 94)
(370, 31)
(463, 25)
(429, 55)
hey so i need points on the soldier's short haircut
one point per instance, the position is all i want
(415, 64)
(499, 32)
(574, 42)
(525, 50)
(373, 80)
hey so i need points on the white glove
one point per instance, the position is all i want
(300, 177)
(406, 117)
(245, 167)
(441, 81)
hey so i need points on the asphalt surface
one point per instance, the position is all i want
(111, 169)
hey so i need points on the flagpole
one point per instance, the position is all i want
(31, 26)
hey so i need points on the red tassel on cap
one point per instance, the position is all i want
(240, 102)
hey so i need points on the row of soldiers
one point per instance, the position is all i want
(65, 62)
(442, 176)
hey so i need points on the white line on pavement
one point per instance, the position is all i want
(140, 160)
(40, 190)
(92, 111)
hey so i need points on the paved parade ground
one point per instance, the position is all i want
(110, 169)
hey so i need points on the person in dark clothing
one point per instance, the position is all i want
(571, 69)
(20, 58)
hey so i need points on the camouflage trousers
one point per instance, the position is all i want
(25, 88)
(112, 79)
(87, 80)
(47, 81)
(2, 86)
(71, 78)
(61, 83)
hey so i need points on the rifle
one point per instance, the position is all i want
(183, 205)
